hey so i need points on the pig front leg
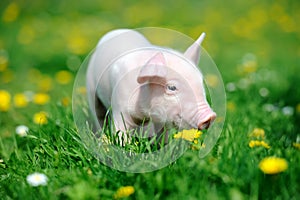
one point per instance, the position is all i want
(124, 125)
(100, 110)
(128, 126)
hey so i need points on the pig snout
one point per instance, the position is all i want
(205, 124)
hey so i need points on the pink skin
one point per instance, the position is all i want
(154, 83)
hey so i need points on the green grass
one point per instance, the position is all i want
(256, 48)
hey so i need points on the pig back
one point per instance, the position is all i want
(110, 47)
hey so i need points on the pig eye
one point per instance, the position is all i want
(171, 88)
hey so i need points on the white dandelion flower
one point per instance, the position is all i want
(37, 179)
(288, 110)
(264, 92)
(230, 87)
(22, 130)
(269, 107)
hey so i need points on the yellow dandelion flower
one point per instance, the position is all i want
(45, 83)
(3, 60)
(258, 133)
(34, 75)
(231, 106)
(253, 143)
(211, 80)
(298, 108)
(26, 35)
(7, 76)
(11, 12)
(264, 144)
(65, 101)
(273, 165)
(257, 143)
(249, 66)
(188, 135)
(89, 172)
(4, 100)
(63, 77)
(123, 192)
(41, 98)
(3, 64)
(81, 90)
(296, 145)
(40, 118)
(77, 44)
(20, 100)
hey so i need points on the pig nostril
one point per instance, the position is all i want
(204, 125)
(207, 123)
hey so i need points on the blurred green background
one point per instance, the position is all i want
(51, 35)
(243, 37)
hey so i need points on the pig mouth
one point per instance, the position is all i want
(181, 123)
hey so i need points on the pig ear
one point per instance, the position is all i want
(155, 67)
(193, 52)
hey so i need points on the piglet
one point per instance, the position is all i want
(142, 82)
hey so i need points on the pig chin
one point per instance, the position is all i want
(180, 123)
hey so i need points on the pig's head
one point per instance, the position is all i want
(174, 89)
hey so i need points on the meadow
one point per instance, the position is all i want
(255, 45)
